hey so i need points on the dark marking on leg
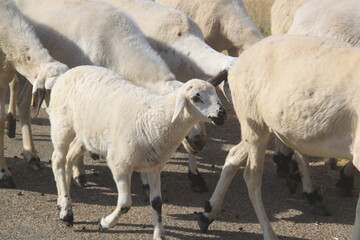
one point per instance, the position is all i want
(317, 206)
(33, 161)
(10, 125)
(69, 218)
(156, 203)
(345, 185)
(124, 209)
(197, 182)
(282, 163)
(101, 228)
(207, 207)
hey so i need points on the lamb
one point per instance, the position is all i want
(94, 55)
(22, 52)
(282, 15)
(224, 23)
(316, 113)
(144, 140)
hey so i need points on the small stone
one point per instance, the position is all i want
(83, 228)
(241, 229)
(20, 193)
(42, 194)
(16, 157)
(213, 165)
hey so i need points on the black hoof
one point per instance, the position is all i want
(319, 209)
(33, 161)
(7, 182)
(101, 228)
(69, 219)
(292, 184)
(80, 181)
(10, 125)
(197, 182)
(204, 222)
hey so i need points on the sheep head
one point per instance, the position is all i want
(201, 101)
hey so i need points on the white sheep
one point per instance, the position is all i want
(177, 38)
(140, 135)
(63, 46)
(332, 19)
(282, 14)
(316, 113)
(21, 51)
(224, 23)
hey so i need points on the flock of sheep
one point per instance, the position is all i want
(140, 94)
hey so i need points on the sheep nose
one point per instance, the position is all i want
(221, 116)
(222, 113)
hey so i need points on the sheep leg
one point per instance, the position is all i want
(29, 152)
(253, 175)
(317, 205)
(6, 180)
(193, 144)
(79, 175)
(10, 118)
(156, 203)
(74, 155)
(145, 184)
(345, 185)
(237, 155)
(122, 178)
(61, 139)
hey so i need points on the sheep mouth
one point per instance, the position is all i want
(218, 121)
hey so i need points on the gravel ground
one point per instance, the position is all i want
(29, 212)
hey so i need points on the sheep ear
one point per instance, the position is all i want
(218, 78)
(179, 105)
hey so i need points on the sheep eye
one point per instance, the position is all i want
(196, 98)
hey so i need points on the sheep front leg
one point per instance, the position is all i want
(29, 152)
(10, 119)
(156, 203)
(122, 178)
(6, 180)
(310, 192)
(253, 177)
(194, 142)
(237, 155)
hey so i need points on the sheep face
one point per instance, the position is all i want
(203, 102)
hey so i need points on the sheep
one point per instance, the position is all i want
(315, 113)
(337, 20)
(224, 23)
(282, 14)
(49, 26)
(143, 140)
(22, 52)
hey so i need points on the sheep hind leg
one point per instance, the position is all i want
(62, 137)
(122, 178)
(79, 174)
(156, 203)
(237, 155)
(6, 180)
(29, 152)
(10, 118)
(317, 206)
(253, 178)
(345, 185)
